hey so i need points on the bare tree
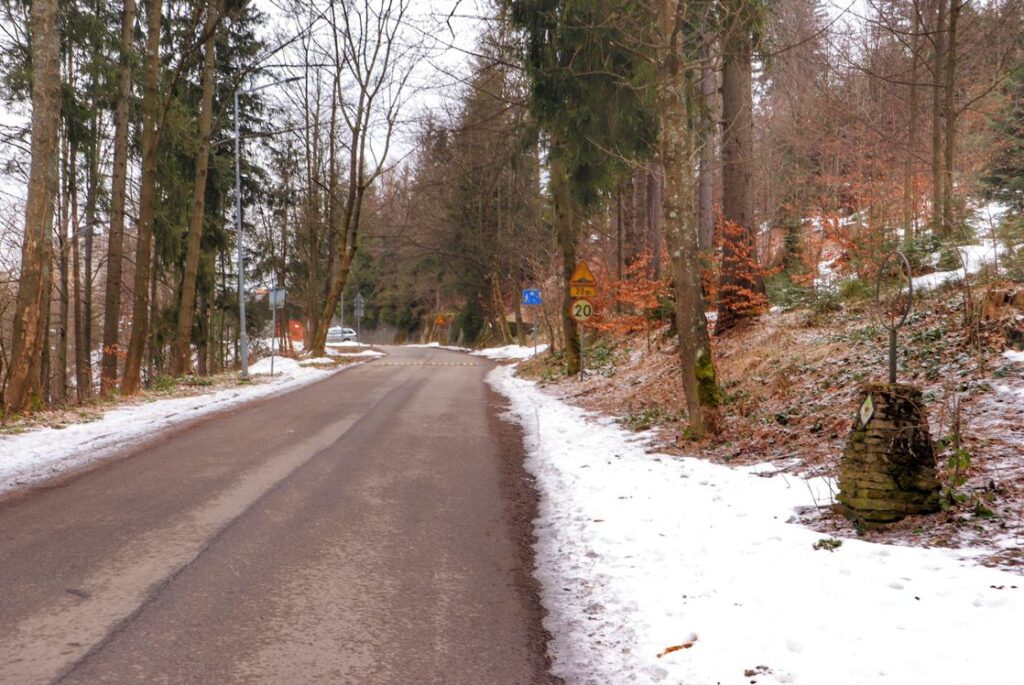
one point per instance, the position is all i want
(368, 53)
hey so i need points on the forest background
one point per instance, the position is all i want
(717, 156)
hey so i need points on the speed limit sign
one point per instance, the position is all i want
(582, 310)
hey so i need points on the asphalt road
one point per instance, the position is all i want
(370, 528)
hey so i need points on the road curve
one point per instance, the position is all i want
(369, 528)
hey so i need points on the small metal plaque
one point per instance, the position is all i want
(867, 410)
(276, 298)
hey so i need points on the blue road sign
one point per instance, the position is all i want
(531, 296)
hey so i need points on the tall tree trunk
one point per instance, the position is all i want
(83, 377)
(118, 183)
(676, 149)
(181, 350)
(938, 62)
(154, 361)
(60, 392)
(147, 197)
(41, 366)
(909, 172)
(91, 192)
(517, 308)
(32, 308)
(741, 290)
(620, 256)
(654, 200)
(498, 298)
(705, 167)
(566, 232)
(203, 346)
(86, 232)
(949, 114)
(619, 229)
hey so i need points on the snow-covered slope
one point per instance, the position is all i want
(638, 553)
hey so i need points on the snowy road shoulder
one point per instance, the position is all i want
(35, 456)
(638, 552)
(511, 352)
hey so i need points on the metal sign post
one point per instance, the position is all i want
(582, 284)
(893, 306)
(582, 332)
(531, 298)
(582, 310)
(276, 299)
(357, 304)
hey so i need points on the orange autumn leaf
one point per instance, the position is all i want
(676, 648)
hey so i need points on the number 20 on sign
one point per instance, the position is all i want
(582, 310)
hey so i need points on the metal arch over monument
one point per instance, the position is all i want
(894, 299)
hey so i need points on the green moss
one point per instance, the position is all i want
(708, 392)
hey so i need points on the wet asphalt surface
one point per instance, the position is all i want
(374, 527)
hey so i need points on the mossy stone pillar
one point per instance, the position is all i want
(888, 467)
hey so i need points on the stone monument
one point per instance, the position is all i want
(888, 467)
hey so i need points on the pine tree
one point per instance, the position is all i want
(591, 69)
(1005, 175)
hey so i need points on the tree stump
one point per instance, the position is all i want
(888, 467)
(1014, 332)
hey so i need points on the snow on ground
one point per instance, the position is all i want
(282, 365)
(316, 360)
(515, 352)
(1014, 356)
(37, 455)
(440, 346)
(974, 256)
(986, 217)
(638, 552)
(369, 354)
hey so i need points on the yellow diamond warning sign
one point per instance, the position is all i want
(582, 283)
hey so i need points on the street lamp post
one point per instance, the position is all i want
(243, 333)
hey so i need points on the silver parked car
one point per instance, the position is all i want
(339, 334)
